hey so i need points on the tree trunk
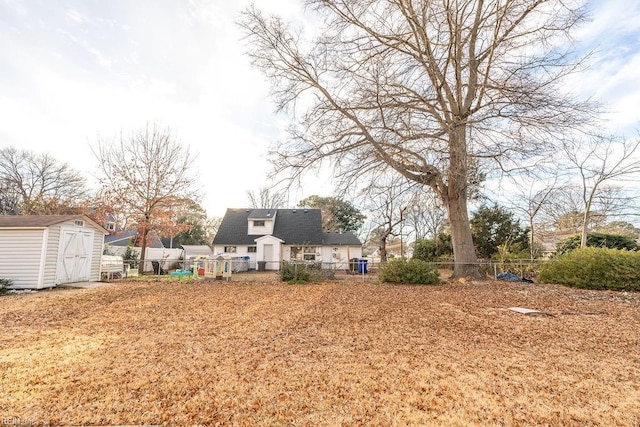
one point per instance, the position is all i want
(143, 251)
(531, 238)
(383, 250)
(464, 252)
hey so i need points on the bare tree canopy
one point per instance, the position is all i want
(38, 184)
(148, 176)
(266, 198)
(431, 89)
(601, 162)
(389, 199)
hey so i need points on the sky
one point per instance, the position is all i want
(73, 72)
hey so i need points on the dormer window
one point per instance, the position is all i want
(258, 223)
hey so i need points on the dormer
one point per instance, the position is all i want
(261, 222)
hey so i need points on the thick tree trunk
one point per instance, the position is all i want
(383, 250)
(464, 252)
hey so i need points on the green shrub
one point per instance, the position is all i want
(594, 268)
(598, 240)
(432, 249)
(131, 257)
(413, 271)
(4, 284)
(295, 272)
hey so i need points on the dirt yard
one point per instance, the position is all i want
(341, 353)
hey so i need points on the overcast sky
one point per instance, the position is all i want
(73, 71)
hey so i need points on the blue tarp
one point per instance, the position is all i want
(510, 277)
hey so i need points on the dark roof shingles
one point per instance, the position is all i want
(293, 226)
(345, 238)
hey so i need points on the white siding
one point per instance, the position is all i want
(337, 257)
(267, 228)
(21, 257)
(29, 256)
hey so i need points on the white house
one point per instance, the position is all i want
(270, 236)
(42, 251)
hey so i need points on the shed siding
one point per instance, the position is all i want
(51, 262)
(21, 256)
(96, 256)
(29, 257)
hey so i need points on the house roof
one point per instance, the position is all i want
(345, 238)
(293, 226)
(262, 213)
(120, 239)
(195, 250)
(42, 221)
(125, 237)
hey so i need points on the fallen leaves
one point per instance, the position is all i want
(338, 353)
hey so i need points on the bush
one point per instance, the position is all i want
(131, 257)
(295, 272)
(413, 271)
(598, 240)
(594, 268)
(4, 284)
(433, 249)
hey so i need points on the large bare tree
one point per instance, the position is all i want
(429, 88)
(148, 174)
(38, 184)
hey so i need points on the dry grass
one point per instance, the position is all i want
(342, 353)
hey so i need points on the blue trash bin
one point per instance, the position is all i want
(362, 266)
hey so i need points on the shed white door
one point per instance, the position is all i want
(74, 260)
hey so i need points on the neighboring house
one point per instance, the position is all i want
(276, 235)
(116, 244)
(197, 251)
(125, 238)
(42, 251)
(548, 241)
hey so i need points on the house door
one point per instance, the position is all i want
(268, 257)
(74, 259)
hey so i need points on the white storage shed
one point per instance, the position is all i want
(42, 251)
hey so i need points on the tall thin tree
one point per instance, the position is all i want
(148, 173)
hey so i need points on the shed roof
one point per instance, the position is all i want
(42, 221)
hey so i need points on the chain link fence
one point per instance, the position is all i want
(362, 268)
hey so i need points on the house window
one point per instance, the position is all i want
(303, 253)
(252, 249)
(230, 249)
(111, 226)
(258, 223)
